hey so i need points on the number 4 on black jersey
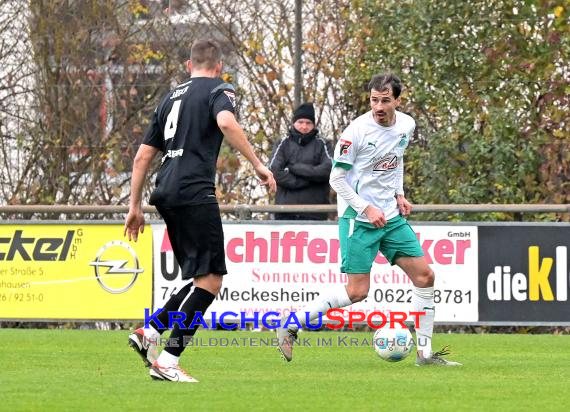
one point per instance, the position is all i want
(184, 128)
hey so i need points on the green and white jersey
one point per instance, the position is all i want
(373, 155)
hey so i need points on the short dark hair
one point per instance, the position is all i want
(205, 53)
(385, 81)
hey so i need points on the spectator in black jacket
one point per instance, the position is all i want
(301, 164)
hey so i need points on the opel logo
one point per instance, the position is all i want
(116, 266)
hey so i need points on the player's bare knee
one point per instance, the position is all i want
(216, 289)
(359, 297)
(212, 283)
(216, 284)
(357, 294)
(430, 277)
(425, 279)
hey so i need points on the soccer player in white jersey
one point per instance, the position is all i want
(368, 176)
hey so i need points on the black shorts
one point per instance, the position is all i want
(197, 238)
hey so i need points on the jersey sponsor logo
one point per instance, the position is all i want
(231, 97)
(388, 162)
(179, 92)
(172, 154)
(344, 146)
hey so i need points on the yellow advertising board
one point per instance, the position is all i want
(74, 271)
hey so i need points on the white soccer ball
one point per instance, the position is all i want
(393, 345)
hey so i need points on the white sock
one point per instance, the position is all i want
(151, 333)
(319, 307)
(167, 359)
(422, 301)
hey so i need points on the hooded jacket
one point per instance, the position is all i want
(301, 165)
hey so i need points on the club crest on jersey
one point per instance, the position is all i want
(344, 146)
(231, 96)
(403, 140)
(388, 162)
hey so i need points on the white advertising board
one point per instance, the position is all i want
(281, 267)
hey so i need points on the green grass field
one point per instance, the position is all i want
(56, 370)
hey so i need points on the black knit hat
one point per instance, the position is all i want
(304, 111)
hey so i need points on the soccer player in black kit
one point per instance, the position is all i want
(188, 127)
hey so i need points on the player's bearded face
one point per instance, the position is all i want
(383, 105)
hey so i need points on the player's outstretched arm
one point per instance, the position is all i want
(236, 137)
(134, 221)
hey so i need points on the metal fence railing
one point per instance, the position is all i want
(245, 212)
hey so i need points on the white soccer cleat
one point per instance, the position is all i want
(170, 373)
(286, 339)
(436, 359)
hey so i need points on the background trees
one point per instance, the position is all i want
(487, 82)
(261, 35)
(94, 71)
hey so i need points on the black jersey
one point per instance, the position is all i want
(184, 128)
